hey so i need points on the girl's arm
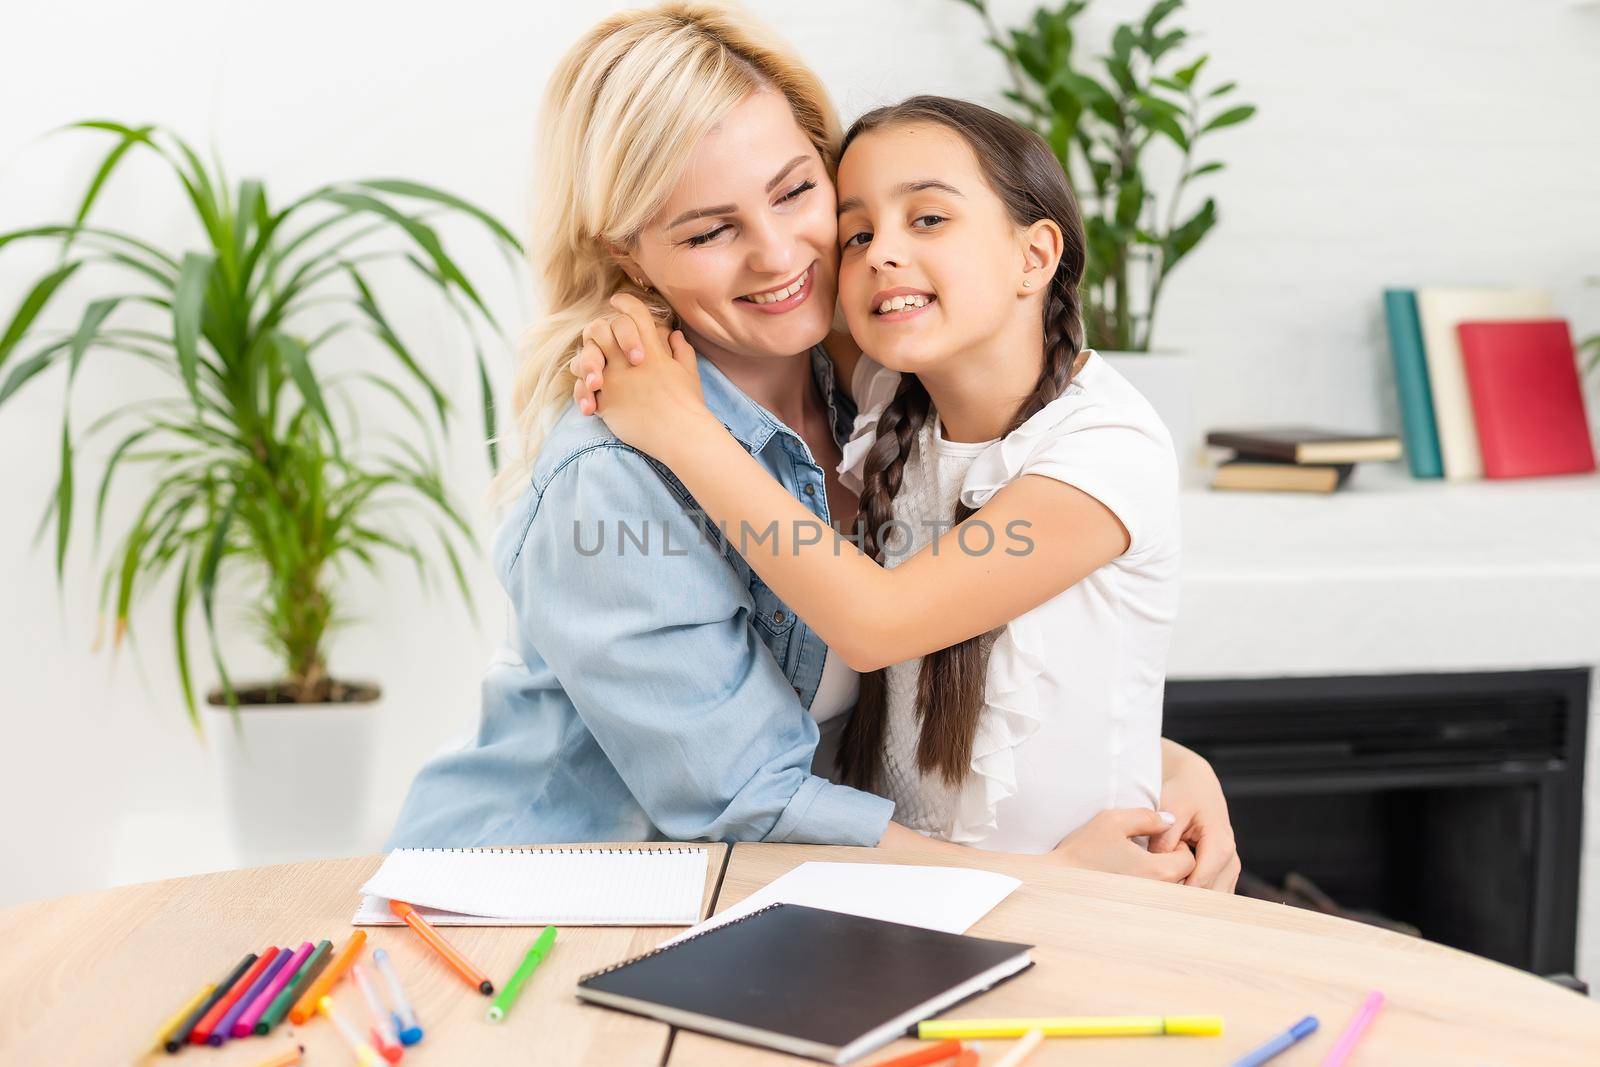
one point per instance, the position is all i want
(1035, 538)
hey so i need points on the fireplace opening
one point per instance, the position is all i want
(1451, 804)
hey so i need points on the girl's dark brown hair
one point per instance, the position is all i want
(1022, 171)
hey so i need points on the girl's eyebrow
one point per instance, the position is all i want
(728, 209)
(853, 203)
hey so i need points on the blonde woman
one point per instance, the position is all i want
(652, 685)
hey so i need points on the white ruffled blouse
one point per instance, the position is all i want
(1071, 723)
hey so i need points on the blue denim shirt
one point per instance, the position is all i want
(652, 686)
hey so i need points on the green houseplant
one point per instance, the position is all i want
(1104, 119)
(268, 351)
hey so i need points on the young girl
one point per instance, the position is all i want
(1017, 580)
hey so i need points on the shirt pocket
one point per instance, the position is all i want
(774, 620)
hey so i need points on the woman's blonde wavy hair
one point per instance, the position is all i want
(623, 112)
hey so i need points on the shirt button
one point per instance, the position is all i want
(811, 490)
(778, 616)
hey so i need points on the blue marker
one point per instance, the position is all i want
(405, 1020)
(1282, 1043)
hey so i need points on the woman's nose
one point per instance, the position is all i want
(773, 250)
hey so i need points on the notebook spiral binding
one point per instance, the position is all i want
(681, 941)
(566, 851)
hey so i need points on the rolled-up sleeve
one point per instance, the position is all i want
(649, 631)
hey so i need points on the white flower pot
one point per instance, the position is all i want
(296, 778)
(1166, 379)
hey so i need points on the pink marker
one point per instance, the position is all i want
(1352, 1033)
(246, 1023)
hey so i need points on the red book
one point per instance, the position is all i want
(1526, 398)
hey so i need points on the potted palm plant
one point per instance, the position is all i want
(258, 486)
(1105, 121)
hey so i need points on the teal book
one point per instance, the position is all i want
(1411, 379)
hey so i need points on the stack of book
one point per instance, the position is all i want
(1296, 458)
(1488, 383)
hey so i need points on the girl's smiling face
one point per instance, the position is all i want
(745, 248)
(930, 260)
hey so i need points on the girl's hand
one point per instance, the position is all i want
(1191, 792)
(1106, 843)
(656, 404)
(614, 336)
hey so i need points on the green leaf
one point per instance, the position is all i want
(293, 354)
(1231, 117)
(400, 187)
(188, 307)
(1205, 168)
(88, 330)
(31, 305)
(1169, 83)
(1160, 47)
(180, 639)
(127, 138)
(1157, 13)
(63, 506)
(30, 368)
(1183, 238)
(1223, 89)
(209, 563)
(1130, 201)
(1188, 74)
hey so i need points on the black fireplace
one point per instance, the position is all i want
(1449, 802)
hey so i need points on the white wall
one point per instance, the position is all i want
(1427, 141)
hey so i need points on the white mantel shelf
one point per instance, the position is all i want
(1390, 575)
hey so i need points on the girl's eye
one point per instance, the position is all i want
(931, 220)
(798, 191)
(710, 235)
(856, 240)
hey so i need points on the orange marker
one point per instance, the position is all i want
(944, 1050)
(446, 951)
(306, 1006)
(287, 1058)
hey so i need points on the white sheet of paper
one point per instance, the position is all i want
(936, 898)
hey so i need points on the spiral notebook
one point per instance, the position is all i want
(535, 886)
(814, 983)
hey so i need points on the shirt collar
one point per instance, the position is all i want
(751, 424)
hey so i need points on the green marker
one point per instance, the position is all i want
(530, 963)
(291, 993)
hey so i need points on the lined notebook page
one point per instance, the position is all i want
(535, 886)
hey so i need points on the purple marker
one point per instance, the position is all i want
(224, 1029)
(252, 1014)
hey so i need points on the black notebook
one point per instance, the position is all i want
(802, 980)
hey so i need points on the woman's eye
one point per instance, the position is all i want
(710, 235)
(931, 220)
(798, 191)
(857, 240)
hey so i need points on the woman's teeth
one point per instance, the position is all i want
(900, 303)
(780, 294)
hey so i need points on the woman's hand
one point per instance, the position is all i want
(655, 404)
(1191, 792)
(1106, 843)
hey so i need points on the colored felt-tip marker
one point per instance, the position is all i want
(306, 1006)
(405, 1019)
(236, 989)
(1021, 1050)
(170, 1027)
(226, 1026)
(383, 1035)
(287, 1058)
(944, 1050)
(1352, 1034)
(444, 949)
(365, 1054)
(1280, 1044)
(179, 1037)
(530, 963)
(1076, 1026)
(246, 1023)
(286, 998)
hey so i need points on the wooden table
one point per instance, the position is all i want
(1108, 945)
(87, 979)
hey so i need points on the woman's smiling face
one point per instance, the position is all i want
(745, 249)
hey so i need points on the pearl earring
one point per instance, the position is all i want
(1027, 283)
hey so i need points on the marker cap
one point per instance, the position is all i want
(1194, 1025)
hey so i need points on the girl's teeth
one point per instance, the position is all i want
(900, 303)
(782, 294)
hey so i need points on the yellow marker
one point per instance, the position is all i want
(180, 1015)
(1076, 1026)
